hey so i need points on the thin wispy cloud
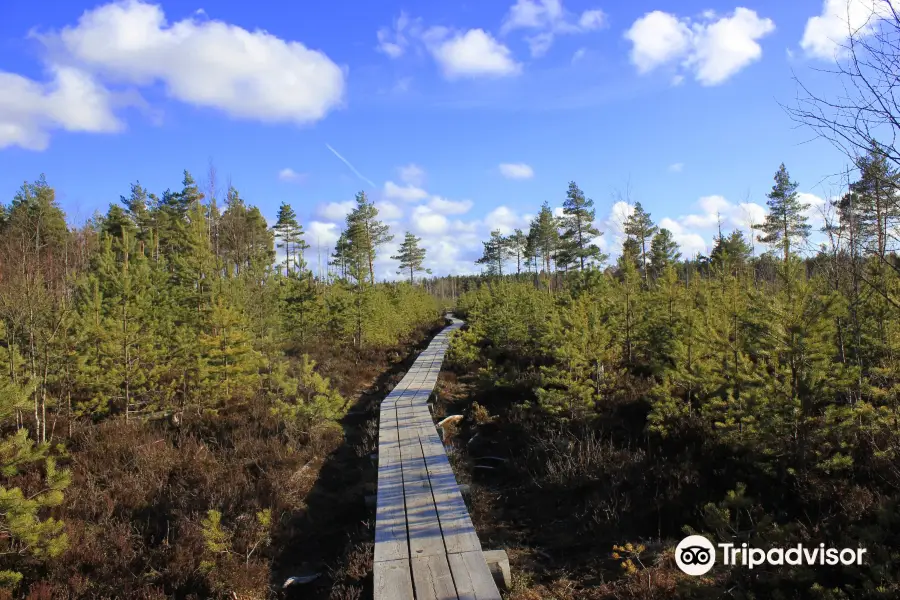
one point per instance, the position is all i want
(352, 168)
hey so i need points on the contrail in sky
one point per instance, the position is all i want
(352, 168)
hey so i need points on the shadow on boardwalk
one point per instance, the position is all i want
(334, 534)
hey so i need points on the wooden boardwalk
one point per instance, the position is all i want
(425, 545)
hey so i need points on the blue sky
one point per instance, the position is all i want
(456, 117)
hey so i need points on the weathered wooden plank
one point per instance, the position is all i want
(432, 578)
(422, 523)
(472, 577)
(391, 536)
(393, 581)
(387, 425)
(456, 525)
(391, 541)
(453, 515)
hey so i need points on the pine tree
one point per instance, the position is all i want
(26, 533)
(580, 342)
(663, 252)
(124, 344)
(629, 307)
(734, 398)
(640, 227)
(801, 317)
(566, 255)
(190, 195)
(531, 253)
(193, 265)
(117, 222)
(229, 363)
(35, 211)
(138, 206)
(631, 254)
(578, 227)
(340, 258)
(496, 252)
(850, 229)
(304, 397)
(245, 239)
(517, 244)
(545, 236)
(411, 256)
(877, 199)
(785, 221)
(365, 233)
(730, 252)
(289, 231)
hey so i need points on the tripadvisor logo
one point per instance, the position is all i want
(696, 555)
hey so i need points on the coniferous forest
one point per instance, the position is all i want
(188, 407)
(748, 398)
(170, 392)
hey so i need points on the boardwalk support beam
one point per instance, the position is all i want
(498, 563)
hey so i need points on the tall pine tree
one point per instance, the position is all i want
(496, 251)
(663, 252)
(786, 222)
(640, 227)
(289, 231)
(578, 227)
(411, 256)
(365, 234)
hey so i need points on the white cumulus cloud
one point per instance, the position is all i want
(200, 61)
(389, 211)
(516, 171)
(506, 220)
(426, 221)
(691, 244)
(406, 193)
(324, 235)
(815, 209)
(613, 227)
(336, 211)
(826, 35)
(733, 216)
(72, 101)
(246, 74)
(473, 53)
(712, 48)
(449, 207)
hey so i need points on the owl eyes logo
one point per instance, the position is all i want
(695, 555)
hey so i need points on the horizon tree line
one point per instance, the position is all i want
(564, 243)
